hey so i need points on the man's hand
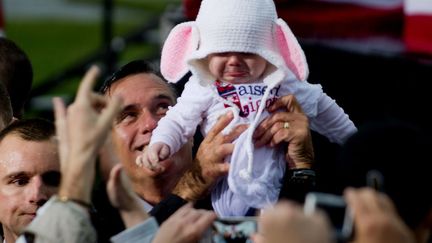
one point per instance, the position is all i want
(287, 124)
(185, 225)
(286, 223)
(122, 197)
(209, 164)
(375, 218)
(82, 130)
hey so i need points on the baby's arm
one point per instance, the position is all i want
(178, 125)
(151, 156)
(180, 122)
(326, 116)
(332, 121)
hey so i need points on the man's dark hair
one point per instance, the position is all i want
(400, 152)
(34, 129)
(16, 73)
(131, 68)
(5, 105)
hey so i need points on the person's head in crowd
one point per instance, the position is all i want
(16, 73)
(29, 172)
(5, 108)
(393, 156)
(146, 98)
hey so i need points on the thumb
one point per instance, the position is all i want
(113, 184)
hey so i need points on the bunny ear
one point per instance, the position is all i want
(181, 41)
(291, 51)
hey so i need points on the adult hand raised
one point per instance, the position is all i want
(375, 218)
(81, 130)
(287, 223)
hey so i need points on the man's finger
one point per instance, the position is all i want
(112, 184)
(287, 102)
(219, 126)
(225, 149)
(60, 116)
(223, 168)
(109, 113)
(87, 83)
(184, 210)
(61, 127)
(204, 221)
(235, 133)
(114, 176)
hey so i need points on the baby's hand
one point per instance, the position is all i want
(157, 152)
(152, 155)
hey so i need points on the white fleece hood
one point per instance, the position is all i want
(233, 26)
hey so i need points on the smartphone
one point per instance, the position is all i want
(232, 229)
(336, 209)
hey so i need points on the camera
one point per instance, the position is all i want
(337, 211)
(231, 229)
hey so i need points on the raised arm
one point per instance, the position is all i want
(81, 130)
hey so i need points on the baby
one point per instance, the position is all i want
(242, 58)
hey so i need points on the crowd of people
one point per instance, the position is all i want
(80, 177)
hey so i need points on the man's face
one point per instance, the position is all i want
(146, 99)
(29, 176)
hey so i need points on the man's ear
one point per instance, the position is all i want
(180, 43)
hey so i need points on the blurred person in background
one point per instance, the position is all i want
(5, 108)
(16, 73)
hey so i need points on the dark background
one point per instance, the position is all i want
(368, 87)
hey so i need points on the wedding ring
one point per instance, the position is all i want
(286, 125)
